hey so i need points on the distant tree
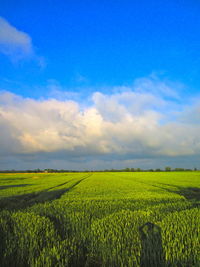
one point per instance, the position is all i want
(37, 170)
(167, 169)
(179, 169)
(158, 170)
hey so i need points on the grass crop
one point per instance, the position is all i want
(100, 219)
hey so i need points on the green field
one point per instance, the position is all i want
(100, 219)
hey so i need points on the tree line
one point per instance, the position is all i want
(166, 169)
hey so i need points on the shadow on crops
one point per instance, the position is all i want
(13, 185)
(190, 193)
(23, 201)
(152, 254)
(12, 179)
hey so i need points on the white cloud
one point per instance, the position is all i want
(157, 87)
(55, 90)
(124, 125)
(16, 44)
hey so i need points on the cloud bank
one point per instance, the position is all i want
(134, 123)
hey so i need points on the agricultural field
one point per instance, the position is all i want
(100, 219)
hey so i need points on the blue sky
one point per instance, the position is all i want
(108, 61)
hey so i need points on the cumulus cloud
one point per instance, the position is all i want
(16, 44)
(128, 125)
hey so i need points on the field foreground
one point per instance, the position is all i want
(100, 219)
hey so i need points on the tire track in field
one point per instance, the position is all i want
(48, 195)
(23, 201)
(79, 181)
(59, 185)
